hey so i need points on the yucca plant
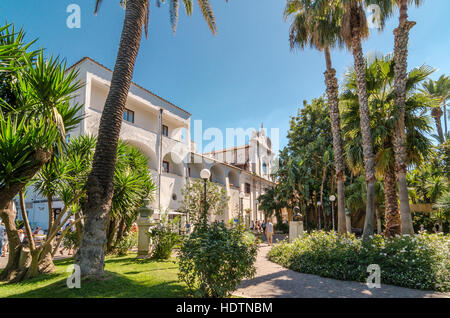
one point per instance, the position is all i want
(35, 114)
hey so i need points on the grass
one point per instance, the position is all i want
(124, 277)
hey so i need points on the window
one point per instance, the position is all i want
(165, 130)
(247, 188)
(128, 115)
(189, 171)
(166, 166)
(264, 168)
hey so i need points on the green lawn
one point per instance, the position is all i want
(125, 277)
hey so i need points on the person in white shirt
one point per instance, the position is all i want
(269, 231)
(21, 235)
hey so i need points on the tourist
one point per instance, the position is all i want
(38, 231)
(21, 235)
(2, 233)
(269, 231)
(263, 227)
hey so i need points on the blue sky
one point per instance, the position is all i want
(243, 76)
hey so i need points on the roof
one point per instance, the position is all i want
(87, 58)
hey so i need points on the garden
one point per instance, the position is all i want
(421, 261)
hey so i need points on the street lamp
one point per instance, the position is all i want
(205, 174)
(241, 205)
(332, 199)
(318, 210)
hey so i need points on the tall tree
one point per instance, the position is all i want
(354, 29)
(401, 35)
(317, 24)
(304, 161)
(100, 187)
(381, 93)
(440, 91)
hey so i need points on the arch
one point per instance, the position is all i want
(175, 164)
(147, 151)
(217, 174)
(233, 177)
(195, 169)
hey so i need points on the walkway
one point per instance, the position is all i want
(4, 260)
(272, 280)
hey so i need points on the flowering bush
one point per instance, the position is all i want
(163, 242)
(215, 259)
(421, 261)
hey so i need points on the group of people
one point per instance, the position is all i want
(266, 228)
(4, 246)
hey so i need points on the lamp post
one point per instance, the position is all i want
(332, 199)
(318, 212)
(241, 205)
(205, 174)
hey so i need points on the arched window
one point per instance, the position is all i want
(264, 168)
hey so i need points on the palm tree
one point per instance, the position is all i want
(381, 95)
(401, 36)
(317, 24)
(132, 183)
(100, 187)
(439, 90)
(353, 30)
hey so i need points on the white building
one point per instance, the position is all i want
(161, 130)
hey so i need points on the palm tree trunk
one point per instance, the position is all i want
(100, 187)
(111, 234)
(333, 104)
(436, 113)
(392, 215)
(360, 69)
(400, 75)
(121, 230)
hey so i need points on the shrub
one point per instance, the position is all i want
(421, 261)
(163, 242)
(126, 243)
(214, 259)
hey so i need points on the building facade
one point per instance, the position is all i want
(161, 130)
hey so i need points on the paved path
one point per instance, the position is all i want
(273, 280)
(4, 260)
